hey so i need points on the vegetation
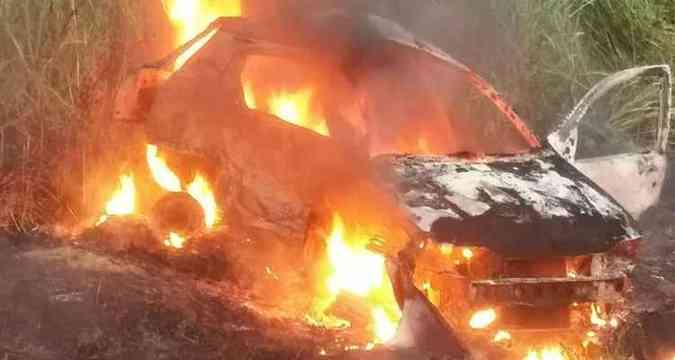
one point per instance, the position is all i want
(60, 61)
(568, 45)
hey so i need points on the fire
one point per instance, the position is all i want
(199, 188)
(467, 253)
(447, 249)
(551, 353)
(166, 178)
(294, 107)
(596, 319)
(123, 200)
(201, 191)
(385, 329)
(483, 318)
(502, 336)
(431, 293)
(355, 270)
(190, 17)
(175, 241)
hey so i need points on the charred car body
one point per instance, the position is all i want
(541, 234)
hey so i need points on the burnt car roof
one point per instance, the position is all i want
(520, 206)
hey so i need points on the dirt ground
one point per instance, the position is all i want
(61, 302)
(78, 301)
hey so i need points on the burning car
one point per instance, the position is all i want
(498, 229)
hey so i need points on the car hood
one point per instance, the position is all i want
(520, 206)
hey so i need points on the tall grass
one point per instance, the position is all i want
(52, 53)
(568, 45)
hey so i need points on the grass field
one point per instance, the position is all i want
(60, 61)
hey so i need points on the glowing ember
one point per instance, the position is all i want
(123, 200)
(294, 107)
(467, 253)
(614, 323)
(161, 172)
(201, 191)
(552, 353)
(190, 17)
(175, 241)
(447, 249)
(596, 319)
(431, 294)
(353, 269)
(482, 319)
(502, 336)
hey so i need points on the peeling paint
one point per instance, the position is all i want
(540, 193)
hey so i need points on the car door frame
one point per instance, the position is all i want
(646, 169)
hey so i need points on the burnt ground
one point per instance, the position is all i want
(78, 301)
(88, 299)
(64, 302)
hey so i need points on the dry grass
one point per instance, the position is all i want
(568, 45)
(57, 64)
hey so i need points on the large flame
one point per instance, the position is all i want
(123, 200)
(199, 188)
(294, 107)
(201, 191)
(190, 17)
(355, 270)
(166, 178)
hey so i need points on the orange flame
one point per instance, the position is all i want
(551, 353)
(201, 191)
(483, 318)
(447, 249)
(175, 240)
(199, 188)
(123, 200)
(166, 178)
(385, 328)
(502, 336)
(190, 17)
(291, 106)
(355, 270)
(596, 319)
